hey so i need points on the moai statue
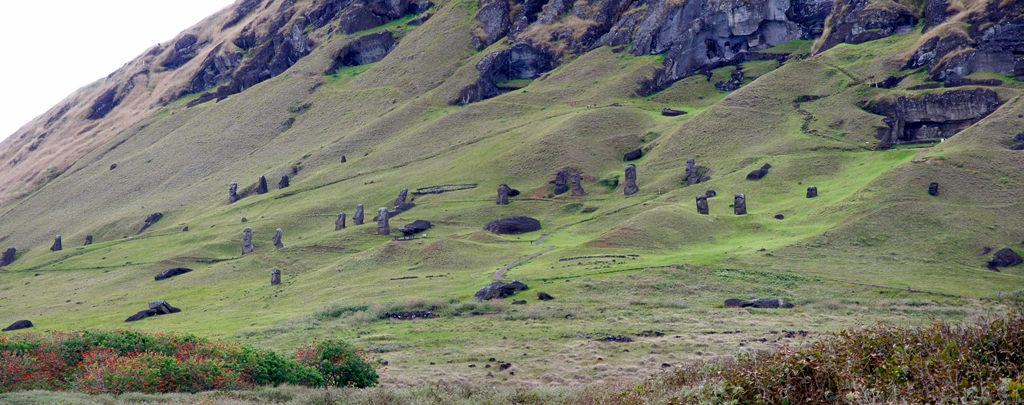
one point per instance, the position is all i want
(275, 277)
(247, 241)
(382, 221)
(702, 204)
(691, 173)
(630, 187)
(285, 182)
(343, 160)
(233, 193)
(560, 179)
(740, 205)
(400, 201)
(710, 193)
(88, 240)
(56, 244)
(277, 239)
(577, 188)
(503, 194)
(933, 189)
(358, 217)
(8, 257)
(262, 188)
(812, 192)
(339, 223)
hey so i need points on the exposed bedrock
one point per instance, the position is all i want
(932, 115)
(366, 49)
(860, 21)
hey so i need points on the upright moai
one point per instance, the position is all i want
(400, 200)
(247, 241)
(343, 160)
(691, 172)
(358, 217)
(812, 192)
(275, 277)
(577, 188)
(277, 239)
(285, 182)
(702, 204)
(88, 240)
(233, 193)
(503, 190)
(630, 187)
(56, 244)
(560, 179)
(383, 228)
(339, 223)
(740, 204)
(933, 189)
(262, 188)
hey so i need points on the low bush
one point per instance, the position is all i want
(340, 365)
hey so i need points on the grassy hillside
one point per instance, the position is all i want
(874, 246)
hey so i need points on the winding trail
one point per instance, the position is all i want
(500, 274)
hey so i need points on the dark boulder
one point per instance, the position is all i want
(1005, 257)
(1019, 137)
(812, 192)
(8, 257)
(757, 303)
(520, 302)
(150, 220)
(168, 273)
(512, 225)
(759, 173)
(499, 290)
(543, 296)
(22, 324)
(513, 192)
(415, 227)
(184, 50)
(668, 112)
(780, 216)
(633, 155)
(159, 307)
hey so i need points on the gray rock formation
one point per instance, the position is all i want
(262, 187)
(358, 217)
(339, 223)
(499, 290)
(8, 257)
(247, 241)
(383, 228)
(512, 225)
(933, 115)
(933, 189)
(630, 187)
(503, 194)
(22, 324)
(284, 183)
(277, 239)
(168, 273)
(561, 178)
(56, 244)
(577, 188)
(88, 240)
(522, 60)
(858, 21)
(702, 205)
(415, 227)
(275, 277)
(734, 83)
(812, 192)
(233, 193)
(740, 204)
(366, 49)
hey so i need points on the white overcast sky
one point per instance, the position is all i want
(49, 49)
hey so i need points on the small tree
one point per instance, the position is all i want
(340, 364)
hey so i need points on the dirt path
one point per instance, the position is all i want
(500, 274)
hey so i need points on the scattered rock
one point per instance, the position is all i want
(383, 227)
(757, 303)
(262, 187)
(88, 240)
(734, 83)
(504, 366)
(668, 112)
(408, 315)
(520, 302)
(1019, 137)
(499, 290)
(933, 189)
(244, 220)
(702, 205)
(633, 155)
(358, 217)
(56, 244)
(113, 166)
(577, 188)
(560, 179)
(339, 223)
(284, 183)
(512, 225)
(650, 333)
(616, 338)
(503, 194)
(415, 227)
(812, 192)
(8, 257)
(185, 229)
(277, 239)
(275, 277)
(247, 241)
(22, 324)
(543, 296)
(1005, 257)
(150, 220)
(233, 193)
(984, 251)
(168, 273)
(630, 188)
(740, 204)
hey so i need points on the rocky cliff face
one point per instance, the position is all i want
(933, 115)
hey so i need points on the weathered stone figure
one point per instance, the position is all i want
(383, 228)
(247, 241)
(710, 193)
(285, 182)
(56, 244)
(358, 217)
(812, 192)
(740, 204)
(577, 188)
(933, 189)
(343, 160)
(277, 239)
(262, 188)
(402, 195)
(702, 204)
(691, 172)
(233, 193)
(339, 223)
(503, 194)
(8, 257)
(275, 277)
(630, 187)
(88, 240)
(560, 179)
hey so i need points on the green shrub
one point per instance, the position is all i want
(339, 363)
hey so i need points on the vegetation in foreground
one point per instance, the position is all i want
(940, 363)
(129, 361)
